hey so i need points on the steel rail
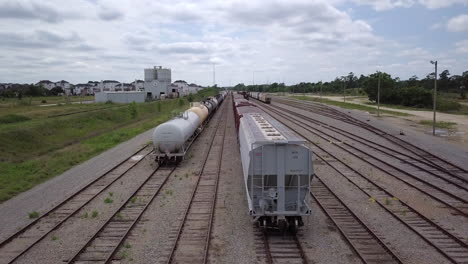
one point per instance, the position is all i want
(194, 191)
(115, 219)
(64, 202)
(455, 250)
(351, 226)
(341, 146)
(437, 161)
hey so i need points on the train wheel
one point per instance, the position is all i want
(294, 226)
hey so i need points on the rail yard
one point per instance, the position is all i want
(256, 178)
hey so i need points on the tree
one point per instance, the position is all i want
(387, 84)
(444, 80)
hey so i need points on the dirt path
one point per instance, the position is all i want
(459, 134)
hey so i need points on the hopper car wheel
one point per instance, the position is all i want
(293, 227)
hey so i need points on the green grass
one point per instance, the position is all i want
(108, 200)
(47, 99)
(439, 124)
(33, 214)
(33, 151)
(346, 105)
(94, 214)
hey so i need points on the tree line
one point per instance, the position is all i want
(411, 92)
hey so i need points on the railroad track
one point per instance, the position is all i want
(450, 193)
(24, 239)
(452, 247)
(367, 245)
(278, 248)
(192, 238)
(442, 164)
(103, 245)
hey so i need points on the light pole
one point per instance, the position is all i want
(378, 96)
(321, 89)
(344, 90)
(435, 97)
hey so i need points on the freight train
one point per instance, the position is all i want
(263, 97)
(172, 139)
(277, 168)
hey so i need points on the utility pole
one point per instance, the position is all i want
(344, 91)
(214, 74)
(378, 96)
(321, 84)
(435, 97)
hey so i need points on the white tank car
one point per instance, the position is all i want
(277, 168)
(171, 136)
(201, 110)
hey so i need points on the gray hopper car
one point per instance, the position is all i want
(277, 167)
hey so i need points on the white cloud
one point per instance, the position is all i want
(462, 46)
(283, 40)
(381, 5)
(458, 24)
(433, 4)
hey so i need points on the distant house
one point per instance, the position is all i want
(82, 89)
(107, 85)
(46, 84)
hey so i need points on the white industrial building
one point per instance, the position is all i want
(120, 97)
(158, 83)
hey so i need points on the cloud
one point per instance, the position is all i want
(462, 46)
(109, 14)
(183, 48)
(458, 24)
(30, 10)
(434, 4)
(41, 39)
(382, 5)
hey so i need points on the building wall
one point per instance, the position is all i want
(120, 97)
(157, 82)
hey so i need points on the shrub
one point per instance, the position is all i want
(132, 108)
(33, 214)
(8, 119)
(44, 101)
(447, 105)
(415, 96)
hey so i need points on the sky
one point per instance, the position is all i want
(246, 41)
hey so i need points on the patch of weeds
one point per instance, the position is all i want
(133, 200)
(85, 215)
(439, 124)
(388, 201)
(186, 175)
(108, 200)
(372, 199)
(33, 214)
(127, 245)
(54, 238)
(119, 215)
(169, 192)
(123, 254)
(94, 214)
(111, 193)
